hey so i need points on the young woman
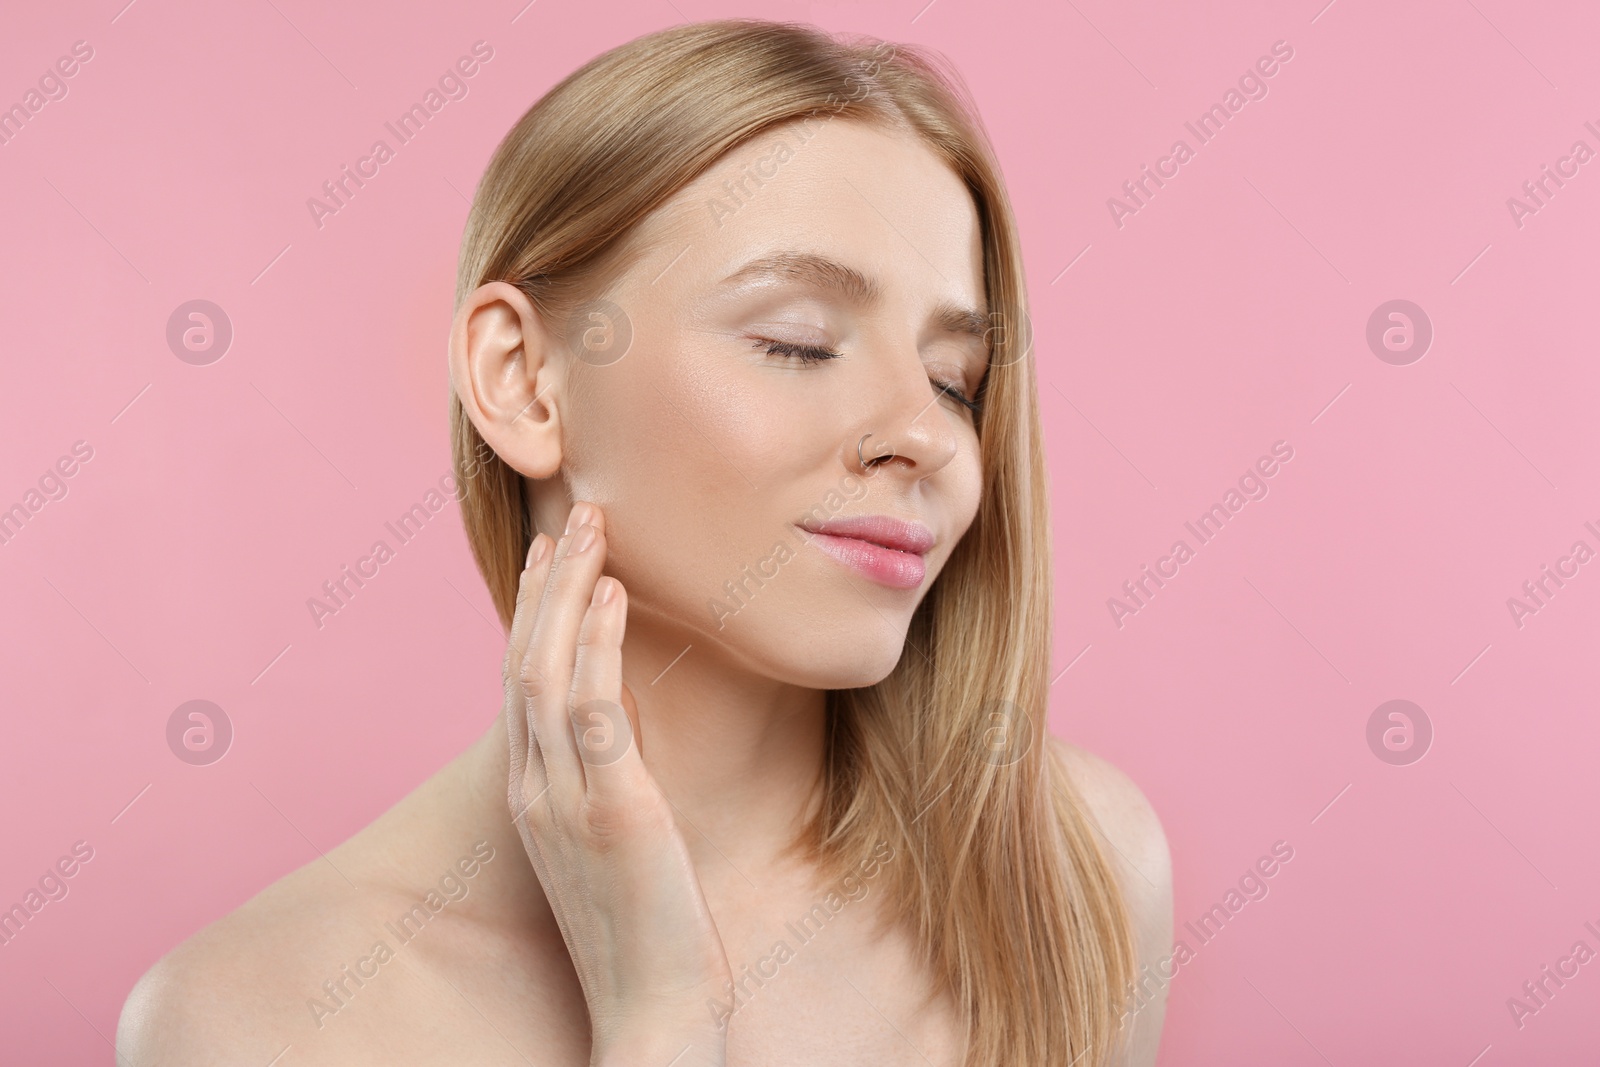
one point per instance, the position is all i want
(748, 449)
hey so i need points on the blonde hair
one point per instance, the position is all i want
(997, 875)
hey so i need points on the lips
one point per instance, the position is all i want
(887, 550)
(902, 536)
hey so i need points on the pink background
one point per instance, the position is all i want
(1227, 314)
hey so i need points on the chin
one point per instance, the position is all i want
(808, 625)
(857, 653)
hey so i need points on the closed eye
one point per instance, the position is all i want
(975, 406)
(812, 354)
(804, 353)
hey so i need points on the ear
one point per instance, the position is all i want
(503, 371)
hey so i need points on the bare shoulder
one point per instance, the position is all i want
(1138, 851)
(395, 946)
(229, 992)
(1122, 812)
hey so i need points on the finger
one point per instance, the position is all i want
(631, 706)
(604, 734)
(530, 585)
(553, 648)
(535, 569)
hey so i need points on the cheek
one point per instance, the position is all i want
(693, 426)
(966, 485)
(688, 459)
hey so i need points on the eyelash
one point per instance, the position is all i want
(810, 354)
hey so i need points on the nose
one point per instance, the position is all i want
(909, 425)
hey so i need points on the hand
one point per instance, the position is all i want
(599, 832)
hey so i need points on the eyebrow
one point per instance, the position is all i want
(821, 272)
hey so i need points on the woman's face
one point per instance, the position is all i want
(714, 437)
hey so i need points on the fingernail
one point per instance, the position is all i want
(576, 517)
(536, 551)
(604, 589)
(582, 539)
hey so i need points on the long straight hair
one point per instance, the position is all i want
(1003, 885)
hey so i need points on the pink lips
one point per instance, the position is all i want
(887, 550)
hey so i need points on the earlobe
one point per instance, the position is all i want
(502, 372)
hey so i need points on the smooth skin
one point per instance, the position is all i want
(637, 854)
